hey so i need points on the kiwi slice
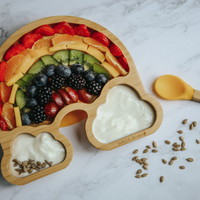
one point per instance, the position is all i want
(49, 60)
(20, 98)
(22, 84)
(98, 69)
(62, 57)
(88, 61)
(37, 67)
(75, 56)
(28, 78)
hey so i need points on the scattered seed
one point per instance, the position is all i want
(46, 161)
(183, 144)
(14, 160)
(50, 163)
(148, 147)
(182, 167)
(174, 158)
(183, 149)
(29, 165)
(181, 138)
(194, 123)
(145, 163)
(44, 165)
(134, 158)
(175, 144)
(190, 159)
(24, 169)
(38, 163)
(138, 176)
(139, 171)
(145, 151)
(134, 152)
(167, 142)
(15, 164)
(19, 162)
(197, 141)
(30, 170)
(154, 150)
(191, 126)
(164, 161)
(145, 167)
(161, 179)
(154, 144)
(184, 121)
(37, 169)
(17, 170)
(176, 149)
(171, 162)
(144, 175)
(144, 159)
(25, 163)
(180, 131)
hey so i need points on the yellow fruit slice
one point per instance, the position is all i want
(113, 61)
(17, 116)
(66, 39)
(96, 44)
(76, 46)
(14, 79)
(13, 94)
(58, 47)
(31, 52)
(110, 69)
(96, 53)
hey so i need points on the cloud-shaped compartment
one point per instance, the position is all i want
(123, 114)
(40, 148)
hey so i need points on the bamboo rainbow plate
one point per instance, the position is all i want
(132, 80)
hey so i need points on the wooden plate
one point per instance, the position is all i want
(132, 79)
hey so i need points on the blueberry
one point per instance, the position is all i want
(31, 103)
(40, 80)
(26, 119)
(50, 70)
(31, 91)
(101, 78)
(63, 71)
(77, 68)
(89, 75)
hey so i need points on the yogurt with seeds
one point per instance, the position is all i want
(123, 114)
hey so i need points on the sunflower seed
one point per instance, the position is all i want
(138, 176)
(15, 164)
(167, 142)
(154, 144)
(161, 179)
(190, 159)
(175, 144)
(183, 149)
(148, 147)
(134, 152)
(154, 150)
(194, 123)
(144, 175)
(145, 163)
(180, 131)
(183, 144)
(145, 167)
(144, 159)
(30, 170)
(182, 167)
(197, 141)
(174, 158)
(181, 138)
(184, 121)
(191, 126)
(176, 149)
(164, 161)
(139, 171)
(145, 151)
(171, 162)
(134, 158)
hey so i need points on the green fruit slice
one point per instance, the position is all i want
(20, 99)
(49, 60)
(101, 70)
(62, 57)
(28, 78)
(75, 56)
(37, 67)
(88, 61)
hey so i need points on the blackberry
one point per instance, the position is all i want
(94, 87)
(56, 82)
(76, 81)
(43, 95)
(37, 114)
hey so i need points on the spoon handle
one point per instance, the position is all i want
(196, 95)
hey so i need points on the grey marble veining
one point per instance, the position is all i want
(163, 37)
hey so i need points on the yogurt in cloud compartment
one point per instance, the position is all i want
(123, 114)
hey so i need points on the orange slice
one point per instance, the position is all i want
(5, 92)
(66, 39)
(113, 61)
(31, 52)
(8, 115)
(96, 44)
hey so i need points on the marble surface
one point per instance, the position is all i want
(163, 38)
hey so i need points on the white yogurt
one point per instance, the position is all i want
(40, 148)
(123, 114)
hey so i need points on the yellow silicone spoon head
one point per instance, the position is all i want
(173, 88)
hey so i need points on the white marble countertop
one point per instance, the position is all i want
(163, 37)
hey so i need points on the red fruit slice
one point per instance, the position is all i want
(1, 108)
(115, 50)
(2, 70)
(122, 60)
(5, 92)
(51, 109)
(101, 38)
(8, 115)
(45, 30)
(3, 124)
(29, 39)
(84, 96)
(64, 28)
(73, 94)
(66, 96)
(58, 99)
(82, 30)
(14, 50)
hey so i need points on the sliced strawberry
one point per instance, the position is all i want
(1, 108)
(45, 30)
(82, 30)
(3, 124)
(115, 50)
(2, 70)
(64, 28)
(122, 60)
(30, 38)
(101, 38)
(14, 50)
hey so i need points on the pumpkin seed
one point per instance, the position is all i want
(184, 121)
(154, 144)
(161, 179)
(134, 152)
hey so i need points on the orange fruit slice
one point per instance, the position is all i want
(66, 39)
(8, 115)
(113, 61)
(5, 92)
(96, 44)
(31, 52)
(44, 42)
